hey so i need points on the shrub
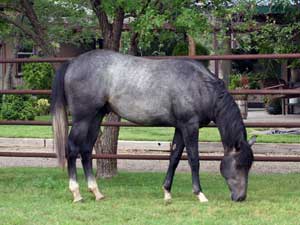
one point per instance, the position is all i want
(43, 107)
(181, 49)
(238, 81)
(17, 107)
(38, 75)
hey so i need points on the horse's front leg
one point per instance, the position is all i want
(190, 133)
(176, 152)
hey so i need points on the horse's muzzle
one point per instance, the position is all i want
(238, 198)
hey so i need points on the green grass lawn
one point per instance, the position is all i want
(40, 196)
(141, 134)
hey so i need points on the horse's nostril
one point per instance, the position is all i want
(238, 198)
(242, 198)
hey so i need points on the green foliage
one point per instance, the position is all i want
(38, 75)
(146, 23)
(192, 21)
(64, 21)
(5, 30)
(270, 71)
(295, 64)
(1, 100)
(181, 48)
(150, 18)
(247, 80)
(71, 20)
(17, 107)
(278, 34)
(254, 81)
(43, 107)
(273, 38)
(165, 42)
(235, 81)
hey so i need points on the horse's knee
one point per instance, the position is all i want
(194, 162)
(86, 155)
(73, 149)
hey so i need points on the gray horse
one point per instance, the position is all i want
(178, 93)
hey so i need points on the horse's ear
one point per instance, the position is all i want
(252, 140)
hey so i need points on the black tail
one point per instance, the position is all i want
(59, 114)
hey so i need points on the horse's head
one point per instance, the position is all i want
(235, 168)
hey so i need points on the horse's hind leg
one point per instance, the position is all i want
(86, 155)
(176, 152)
(76, 141)
(82, 138)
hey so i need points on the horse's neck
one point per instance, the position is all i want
(230, 123)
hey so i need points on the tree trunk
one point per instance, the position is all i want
(226, 64)
(192, 46)
(107, 143)
(8, 77)
(7, 82)
(133, 49)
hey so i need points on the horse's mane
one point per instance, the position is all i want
(231, 126)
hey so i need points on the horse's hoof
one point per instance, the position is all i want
(202, 197)
(99, 198)
(78, 200)
(168, 201)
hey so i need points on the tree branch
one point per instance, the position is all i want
(101, 15)
(35, 32)
(41, 36)
(25, 30)
(32, 17)
(117, 27)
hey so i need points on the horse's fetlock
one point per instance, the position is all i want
(167, 195)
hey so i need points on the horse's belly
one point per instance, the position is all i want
(142, 111)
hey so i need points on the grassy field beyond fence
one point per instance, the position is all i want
(142, 134)
(41, 196)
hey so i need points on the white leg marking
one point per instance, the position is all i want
(167, 195)
(202, 197)
(74, 188)
(93, 187)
